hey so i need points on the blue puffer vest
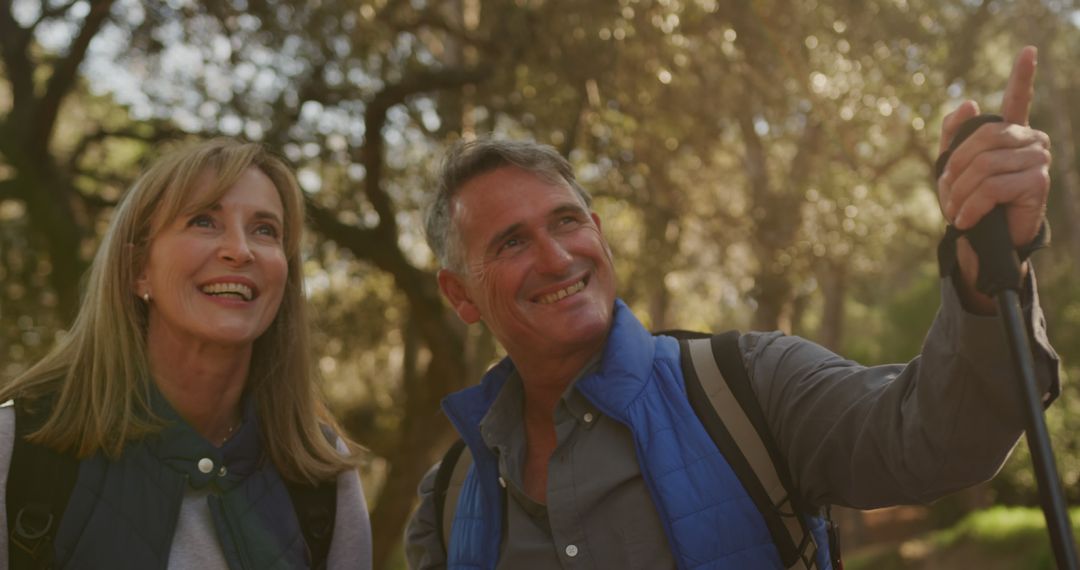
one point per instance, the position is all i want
(709, 519)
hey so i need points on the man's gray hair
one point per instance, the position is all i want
(470, 159)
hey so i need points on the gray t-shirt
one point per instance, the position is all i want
(856, 436)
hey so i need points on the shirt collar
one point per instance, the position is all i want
(504, 418)
(183, 449)
(575, 402)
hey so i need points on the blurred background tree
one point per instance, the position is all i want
(760, 164)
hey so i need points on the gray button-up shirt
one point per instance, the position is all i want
(602, 517)
(852, 435)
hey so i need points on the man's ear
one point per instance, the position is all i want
(600, 228)
(453, 288)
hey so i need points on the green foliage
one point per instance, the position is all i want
(999, 537)
(889, 321)
(756, 164)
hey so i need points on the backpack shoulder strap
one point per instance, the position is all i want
(316, 510)
(39, 485)
(449, 479)
(721, 395)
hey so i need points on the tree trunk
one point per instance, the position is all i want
(660, 249)
(778, 217)
(833, 281)
(48, 205)
(425, 433)
(1063, 134)
(27, 131)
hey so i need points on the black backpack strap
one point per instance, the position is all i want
(316, 510)
(449, 479)
(39, 485)
(721, 395)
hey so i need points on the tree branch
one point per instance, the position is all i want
(64, 73)
(159, 133)
(963, 55)
(48, 13)
(360, 241)
(13, 43)
(418, 286)
(95, 201)
(924, 155)
(8, 190)
(574, 128)
(371, 151)
(911, 146)
(430, 21)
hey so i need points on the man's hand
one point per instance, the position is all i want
(1001, 163)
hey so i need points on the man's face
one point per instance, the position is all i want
(536, 270)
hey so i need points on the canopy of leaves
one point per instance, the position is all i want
(760, 164)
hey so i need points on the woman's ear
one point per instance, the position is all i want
(140, 286)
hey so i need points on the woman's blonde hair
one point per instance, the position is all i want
(97, 377)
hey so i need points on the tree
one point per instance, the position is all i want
(762, 164)
(42, 177)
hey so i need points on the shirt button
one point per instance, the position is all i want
(502, 482)
(206, 465)
(571, 551)
(588, 418)
(222, 472)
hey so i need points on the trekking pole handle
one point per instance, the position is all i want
(1000, 276)
(999, 265)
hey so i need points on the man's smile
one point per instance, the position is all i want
(563, 293)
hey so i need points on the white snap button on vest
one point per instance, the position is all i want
(206, 465)
(588, 418)
(221, 472)
(571, 551)
(502, 482)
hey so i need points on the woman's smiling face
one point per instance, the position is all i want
(218, 275)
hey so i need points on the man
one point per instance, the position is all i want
(585, 426)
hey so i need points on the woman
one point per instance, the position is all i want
(184, 391)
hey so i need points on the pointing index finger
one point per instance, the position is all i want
(1021, 88)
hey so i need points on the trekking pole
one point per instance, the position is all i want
(1000, 277)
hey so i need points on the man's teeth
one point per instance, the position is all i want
(238, 289)
(562, 293)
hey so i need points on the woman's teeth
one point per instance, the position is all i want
(231, 289)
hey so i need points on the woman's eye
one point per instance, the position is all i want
(201, 221)
(267, 230)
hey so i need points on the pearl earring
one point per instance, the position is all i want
(146, 297)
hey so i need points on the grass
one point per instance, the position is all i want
(996, 538)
